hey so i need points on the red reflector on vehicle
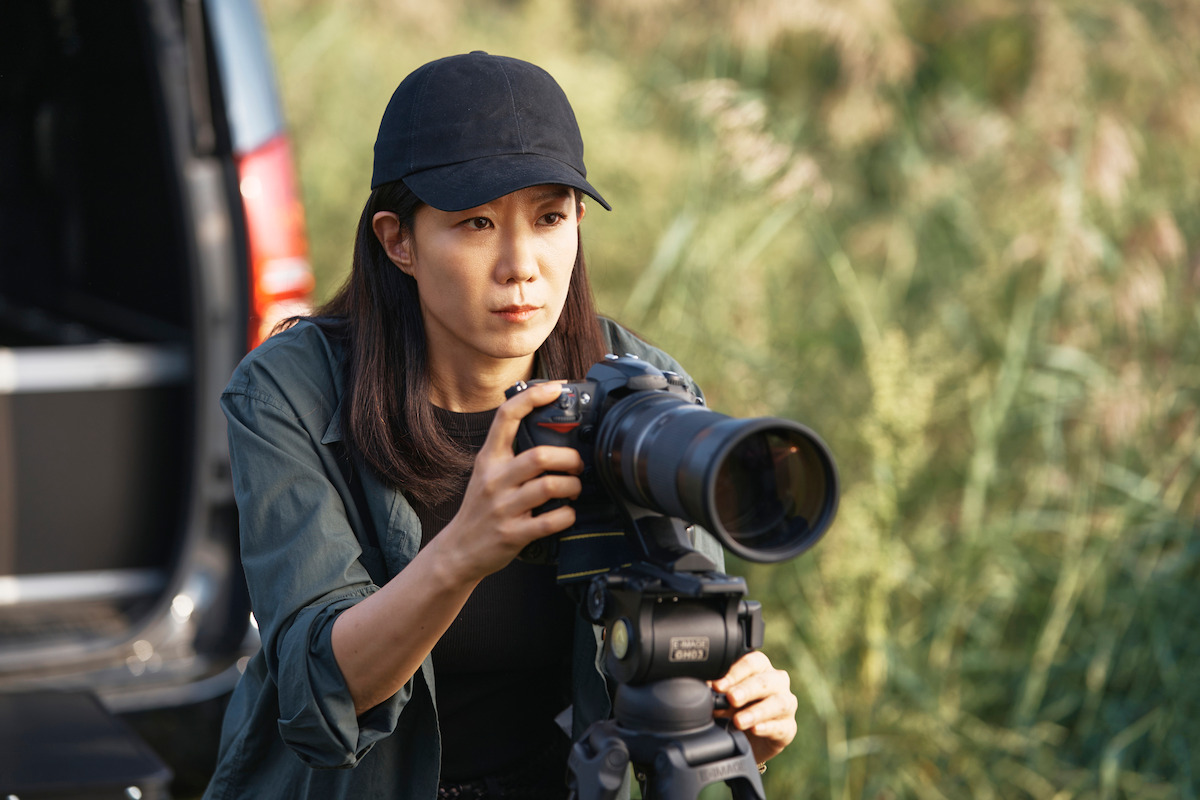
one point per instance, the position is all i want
(281, 278)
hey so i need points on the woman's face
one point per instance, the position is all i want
(492, 280)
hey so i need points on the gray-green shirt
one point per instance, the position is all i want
(290, 730)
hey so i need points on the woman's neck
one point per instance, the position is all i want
(479, 387)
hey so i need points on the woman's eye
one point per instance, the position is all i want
(554, 217)
(478, 223)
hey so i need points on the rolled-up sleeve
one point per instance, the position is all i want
(304, 564)
(317, 717)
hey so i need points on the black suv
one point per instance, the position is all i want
(150, 231)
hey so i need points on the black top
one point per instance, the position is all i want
(504, 666)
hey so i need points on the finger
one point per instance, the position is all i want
(769, 739)
(549, 522)
(517, 532)
(772, 708)
(513, 487)
(780, 731)
(548, 458)
(758, 687)
(513, 410)
(745, 667)
(541, 490)
(498, 477)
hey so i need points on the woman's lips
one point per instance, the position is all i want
(516, 313)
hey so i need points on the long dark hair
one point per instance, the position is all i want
(387, 417)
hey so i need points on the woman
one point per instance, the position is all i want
(381, 504)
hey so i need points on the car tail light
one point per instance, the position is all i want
(281, 278)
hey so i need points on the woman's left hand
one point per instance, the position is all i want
(761, 704)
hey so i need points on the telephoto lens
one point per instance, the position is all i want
(766, 487)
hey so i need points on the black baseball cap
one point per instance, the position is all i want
(466, 129)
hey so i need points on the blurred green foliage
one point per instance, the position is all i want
(960, 239)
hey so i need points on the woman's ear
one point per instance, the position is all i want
(394, 238)
(581, 211)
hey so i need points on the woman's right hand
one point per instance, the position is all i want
(380, 642)
(496, 518)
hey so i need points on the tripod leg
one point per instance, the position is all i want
(677, 776)
(744, 789)
(598, 764)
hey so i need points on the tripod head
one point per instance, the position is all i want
(668, 629)
(663, 623)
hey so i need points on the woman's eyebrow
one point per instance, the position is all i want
(553, 193)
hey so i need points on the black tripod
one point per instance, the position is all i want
(666, 633)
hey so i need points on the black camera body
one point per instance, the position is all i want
(597, 539)
(572, 420)
(653, 453)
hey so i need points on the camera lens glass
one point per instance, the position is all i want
(770, 489)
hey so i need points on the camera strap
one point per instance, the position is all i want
(582, 554)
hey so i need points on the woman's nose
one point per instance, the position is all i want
(517, 261)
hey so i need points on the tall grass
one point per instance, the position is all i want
(960, 240)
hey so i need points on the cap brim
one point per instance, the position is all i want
(457, 187)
